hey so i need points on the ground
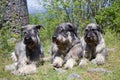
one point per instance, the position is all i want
(46, 72)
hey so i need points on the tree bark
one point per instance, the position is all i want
(16, 13)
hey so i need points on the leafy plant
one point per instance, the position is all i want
(2, 11)
(110, 17)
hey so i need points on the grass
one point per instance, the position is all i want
(46, 72)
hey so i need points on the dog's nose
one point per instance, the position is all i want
(88, 37)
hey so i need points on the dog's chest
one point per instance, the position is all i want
(33, 54)
(90, 52)
(63, 52)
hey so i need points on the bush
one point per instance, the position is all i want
(110, 17)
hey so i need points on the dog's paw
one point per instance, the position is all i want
(11, 67)
(70, 63)
(58, 62)
(26, 70)
(93, 61)
(83, 62)
(100, 59)
(8, 68)
(15, 72)
(18, 72)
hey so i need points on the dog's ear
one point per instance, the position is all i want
(99, 29)
(72, 28)
(39, 26)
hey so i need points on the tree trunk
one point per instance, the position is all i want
(16, 13)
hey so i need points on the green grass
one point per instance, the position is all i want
(46, 72)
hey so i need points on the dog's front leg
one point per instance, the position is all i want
(84, 61)
(101, 53)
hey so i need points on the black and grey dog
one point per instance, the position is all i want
(66, 47)
(28, 53)
(94, 45)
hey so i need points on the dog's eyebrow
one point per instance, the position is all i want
(89, 27)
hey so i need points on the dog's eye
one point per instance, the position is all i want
(86, 30)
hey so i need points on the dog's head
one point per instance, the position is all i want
(30, 34)
(64, 34)
(92, 34)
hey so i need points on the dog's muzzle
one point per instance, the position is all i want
(90, 37)
(28, 40)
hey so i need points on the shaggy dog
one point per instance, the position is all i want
(28, 53)
(66, 47)
(93, 45)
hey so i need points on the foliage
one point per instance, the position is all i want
(5, 45)
(2, 11)
(110, 17)
(78, 12)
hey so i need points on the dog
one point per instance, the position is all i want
(93, 45)
(66, 46)
(28, 53)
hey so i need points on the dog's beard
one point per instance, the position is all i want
(62, 42)
(31, 43)
(92, 40)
